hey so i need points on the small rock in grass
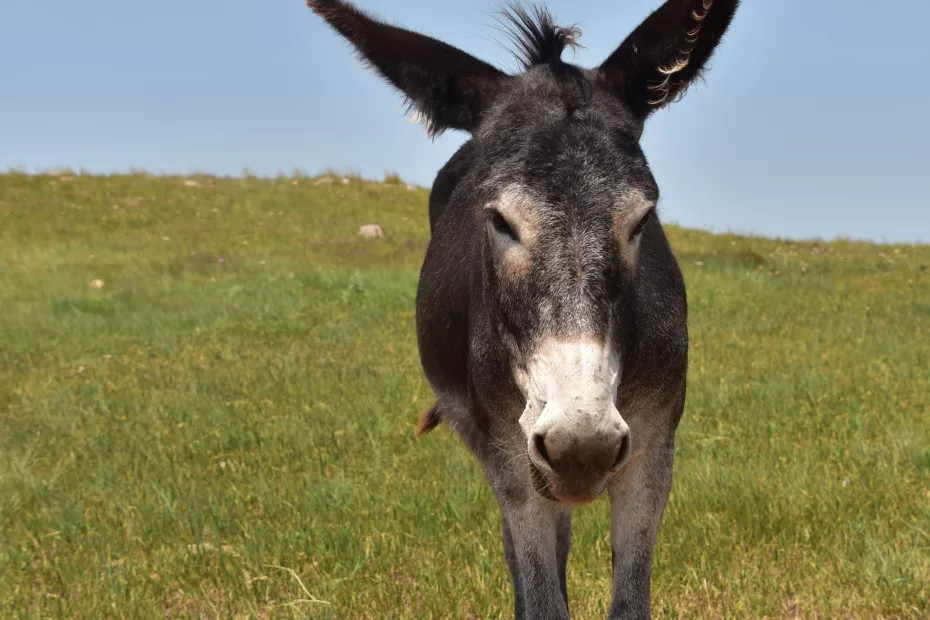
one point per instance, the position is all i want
(370, 231)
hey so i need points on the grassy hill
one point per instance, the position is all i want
(208, 389)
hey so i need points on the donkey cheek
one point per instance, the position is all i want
(515, 265)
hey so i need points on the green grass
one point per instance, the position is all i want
(224, 428)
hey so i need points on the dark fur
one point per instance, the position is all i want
(570, 138)
(429, 420)
(536, 38)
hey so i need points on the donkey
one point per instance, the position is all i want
(551, 312)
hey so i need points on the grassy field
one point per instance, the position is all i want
(208, 389)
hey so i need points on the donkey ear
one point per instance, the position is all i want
(666, 53)
(444, 87)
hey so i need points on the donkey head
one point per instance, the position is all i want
(564, 203)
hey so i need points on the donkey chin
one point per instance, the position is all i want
(576, 438)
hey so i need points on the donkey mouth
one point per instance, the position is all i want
(567, 492)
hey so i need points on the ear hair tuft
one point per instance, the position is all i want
(663, 88)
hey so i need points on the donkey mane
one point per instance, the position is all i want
(536, 38)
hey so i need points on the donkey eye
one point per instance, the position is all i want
(642, 224)
(500, 225)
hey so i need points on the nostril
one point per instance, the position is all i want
(539, 442)
(623, 454)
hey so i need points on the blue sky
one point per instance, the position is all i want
(814, 121)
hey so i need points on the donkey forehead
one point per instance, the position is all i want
(573, 174)
(562, 177)
(589, 212)
(546, 95)
(569, 144)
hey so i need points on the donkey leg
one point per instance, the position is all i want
(531, 524)
(563, 545)
(510, 554)
(637, 502)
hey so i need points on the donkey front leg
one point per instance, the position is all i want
(536, 544)
(563, 545)
(637, 502)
